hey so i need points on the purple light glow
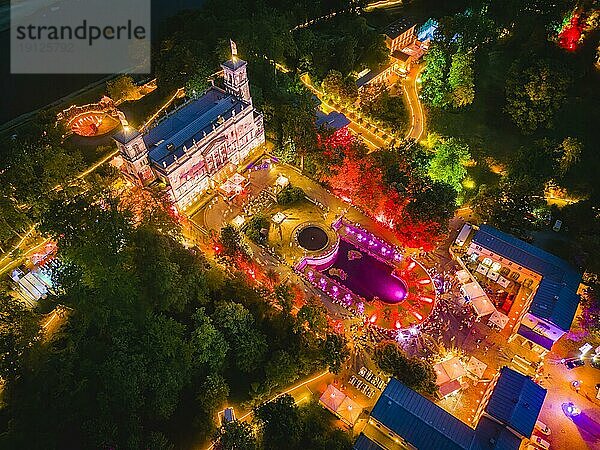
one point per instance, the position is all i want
(369, 277)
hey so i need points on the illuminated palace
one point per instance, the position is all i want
(188, 147)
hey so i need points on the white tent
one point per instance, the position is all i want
(472, 290)
(483, 270)
(454, 368)
(282, 181)
(499, 319)
(503, 282)
(238, 221)
(483, 306)
(239, 180)
(476, 367)
(278, 218)
(463, 276)
(478, 298)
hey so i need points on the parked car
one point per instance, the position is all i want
(572, 363)
(542, 427)
(541, 443)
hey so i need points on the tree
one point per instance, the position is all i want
(122, 89)
(510, 204)
(213, 393)
(281, 370)
(535, 91)
(313, 315)
(33, 165)
(448, 163)
(461, 78)
(235, 435)
(289, 195)
(198, 81)
(280, 423)
(283, 297)
(208, 345)
(257, 229)
(248, 344)
(340, 88)
(435, 76)
(387, 110)
(231, 241)
(413, 372)
(571, 153)
(19, 328)
(336, 351)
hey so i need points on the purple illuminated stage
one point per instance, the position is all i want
(371, 278)
(365, 275)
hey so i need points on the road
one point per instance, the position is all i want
(410, 86)
(301, 392)
(375, 139)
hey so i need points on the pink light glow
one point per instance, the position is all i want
(427, 299)
(411, 266)
(417, 315)
(373, 318)
(424, 281)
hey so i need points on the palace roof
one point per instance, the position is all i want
(189, 124)
(364, 443)
(334, 119)
(514, 405)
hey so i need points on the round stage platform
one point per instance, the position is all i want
(312, 238)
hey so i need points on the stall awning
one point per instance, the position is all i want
(332, 398)
(538, 339)
(499, 319)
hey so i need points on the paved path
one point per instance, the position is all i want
(411, 94)
(375, 140)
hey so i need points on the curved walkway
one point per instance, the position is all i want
(411, 93)
(373, 139)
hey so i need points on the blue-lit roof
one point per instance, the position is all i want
(364, 443)
(516, 401)
(534, 337)
(555, 302)
(490, 435)
(334, 119)
(420, 421)
(189, 123)
(556, 298)
(427, 30)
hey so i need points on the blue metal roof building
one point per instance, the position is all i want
(419, 421)
(364, 443)
(516, 401)
(556, 298)
(510, 415)
(491, 435)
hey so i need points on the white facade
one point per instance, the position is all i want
(188, 147)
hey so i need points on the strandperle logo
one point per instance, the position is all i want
(76, 36)
(85, 32)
